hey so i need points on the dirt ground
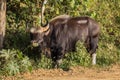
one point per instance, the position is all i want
(75, 73)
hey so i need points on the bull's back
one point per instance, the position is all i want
(84, 26)
(78, 27)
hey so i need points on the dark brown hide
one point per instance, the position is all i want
(39, 36)
(64, 36)
(64, 32)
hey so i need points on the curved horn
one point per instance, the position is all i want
(45, 28)
(43, 25)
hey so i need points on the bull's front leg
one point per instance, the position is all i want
(56, 63)
(57, 58)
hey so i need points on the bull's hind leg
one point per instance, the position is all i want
(91, 48)
(94, 46)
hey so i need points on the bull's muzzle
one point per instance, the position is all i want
(34, 44)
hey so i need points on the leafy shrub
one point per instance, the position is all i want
(44, 62)
(13, 62)
(80, 57)
(12, 68)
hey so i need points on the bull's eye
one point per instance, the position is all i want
(34, 36)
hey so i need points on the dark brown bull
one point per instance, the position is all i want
(62, 33)
(40, 36)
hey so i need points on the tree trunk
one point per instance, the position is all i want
(2, 21)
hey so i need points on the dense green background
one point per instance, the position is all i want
(17, 55)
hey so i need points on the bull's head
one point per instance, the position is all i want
(37, 34)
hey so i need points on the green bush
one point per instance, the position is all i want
(13, 62)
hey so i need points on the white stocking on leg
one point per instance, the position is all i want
(93, 58)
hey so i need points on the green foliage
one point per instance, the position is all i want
(20, 12)
(12, 68)
(107, 54)
(44, 63)
(80, 57)
(13, 62)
